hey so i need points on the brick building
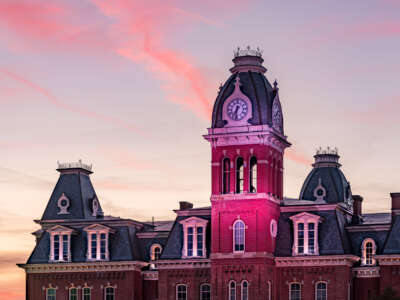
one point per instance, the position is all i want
(251, 243)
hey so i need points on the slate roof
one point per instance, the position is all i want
(79, 190)
(257, 88)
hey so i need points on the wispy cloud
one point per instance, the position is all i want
(297, 157)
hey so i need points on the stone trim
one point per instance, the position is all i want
(366, 272)
(302, 208)
(236, 255)
(308, 261)
(183, 264)
(385, 260)
(150, 275)
(193, 212)
(84, 267)
(244, 196)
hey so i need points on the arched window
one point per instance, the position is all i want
(73, 294)
(155, 251)
(368, 250)
(181, 292)
(110, 293)
(295, 291)
(50, 294)
(238, 236)
(253, 175)
(239, 174)
(205, 291)
(232, 290)
(226, 171)
(245, 290)
(321, 291)
(86, 293)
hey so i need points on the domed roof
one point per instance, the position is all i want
(249, 72)
(326, 182)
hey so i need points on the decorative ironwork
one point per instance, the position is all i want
(74, 165)
(247, 52)
(328, 151)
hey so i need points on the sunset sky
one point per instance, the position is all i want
(129, 85)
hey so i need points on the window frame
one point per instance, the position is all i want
(194, 222)
(234, 236)
(242, 289)
(201, 291)
(251, 175)
(239, 175)
(113, 293)
(306, 219)
(230, 290)
(326, 289)
(177, 292)
(47, 293)
(83, 292)
(60, 231)
(153, 248)
(98, 230)
(70, 293)
(364, 258)
(226, 176)
(290, 290)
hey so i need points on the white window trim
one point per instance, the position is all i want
(195, 223)
(241, 290)
(364, 252)
(250, 173)
(47, 292)
(243, 174)
(97, 229)
(290, 288)
(176, 290)
(233, 236)
(269, 290)
(229, 289)
(69, 292)
(152, 248)
(60, 230)
(315, 289)
(203, 284)
(90, 289)
(305, 218)
(110, 286)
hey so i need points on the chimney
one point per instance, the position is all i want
(184, 205)
(357, 205)
(395, 204)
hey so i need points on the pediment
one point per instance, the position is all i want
(305, 217)
(194, 221)
(60, 228)
(98, 227)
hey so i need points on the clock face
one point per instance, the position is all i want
(237, 109)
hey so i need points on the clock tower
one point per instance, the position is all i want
(247, 147)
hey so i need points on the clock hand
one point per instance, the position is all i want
(236, 111)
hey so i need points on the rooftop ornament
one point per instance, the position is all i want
(74, 165)
(327, 151)
(327, 157)
(247, 52)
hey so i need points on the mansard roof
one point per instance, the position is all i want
(73, 197)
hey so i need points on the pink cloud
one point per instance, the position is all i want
(63, 105)
(295, 156)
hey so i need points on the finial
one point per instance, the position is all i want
(220, 88)
(237, 81)
(275, 84)
(247, 52)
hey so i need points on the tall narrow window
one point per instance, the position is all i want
(232, 290)
(311, 238)
(110, 293)
(245, 290)
(65, 247)
(253, 175)
(205, 292)
(155, 252)
(199, 241)
(226, 176)
(103, 245)
(300, 238)
(239, 174)
(181, 292)
(190, 241)
(56, 247)
(295, 291)
(368, 250)
(73, 294)
(93, 245)
(86, 293)
(238, 236)
(321, 291)
(50, 294)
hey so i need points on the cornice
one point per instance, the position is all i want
(183, 264)
(393, 259)
(193, 212)
(366, 272)
(326, 260)
(245, 196)
(371, 227)
(240, 255)
(84, 267)
(307, 208)
(152, 234)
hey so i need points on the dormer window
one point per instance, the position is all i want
(60, 243)
(155, 252)
(368, 250)
(98, 237)
(194, 238)
(305, 241)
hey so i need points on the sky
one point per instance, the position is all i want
(128, 86)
